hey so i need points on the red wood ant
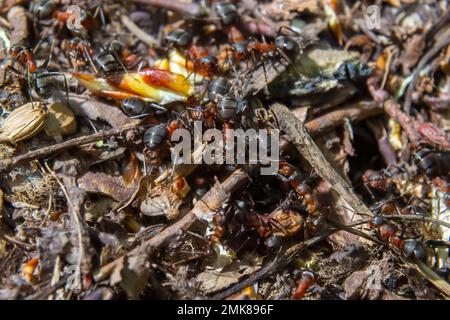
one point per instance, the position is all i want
(432, 163)
(24, 56)
(80, 48)
(290, 175)
(388, 231)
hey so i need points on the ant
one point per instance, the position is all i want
(291, 176)
(47, 9)
(107, 61)
(380, 181)
(431, 162)
(283, 47)
(137, 107)
(202, 61)
(42, 81)
(155, 136)
(388, 231)
(78, 47)
(227, 12)
(228, 108)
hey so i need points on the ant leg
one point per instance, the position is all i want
(263, 64)
(30, 84)
(47, 60)
(89, 58)
(99, 12)
(119, 61)
(264, 70)
(8, 69)
(186, 63)
(66, 85)
(372, 196)
(204, 92)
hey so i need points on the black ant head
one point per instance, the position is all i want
(115, 46)
(378, 220)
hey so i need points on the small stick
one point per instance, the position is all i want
(45, 151)
(138, 32)
(422, 63)
(430, 275)
(419, 218)
(210, 202)
(406, 122)
(295, 130)
(352, 230)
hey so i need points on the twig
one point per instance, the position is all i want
(267, 70)
(46, 151)
(352, 230)
(210, 202)
(190, 9)
(48, 290)
(355, 112)
(422, 63)
(419, 218)
(438, 25)
(74, 210)
(138, 32)
(298, 135)
(417, 129)
(23, 245)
